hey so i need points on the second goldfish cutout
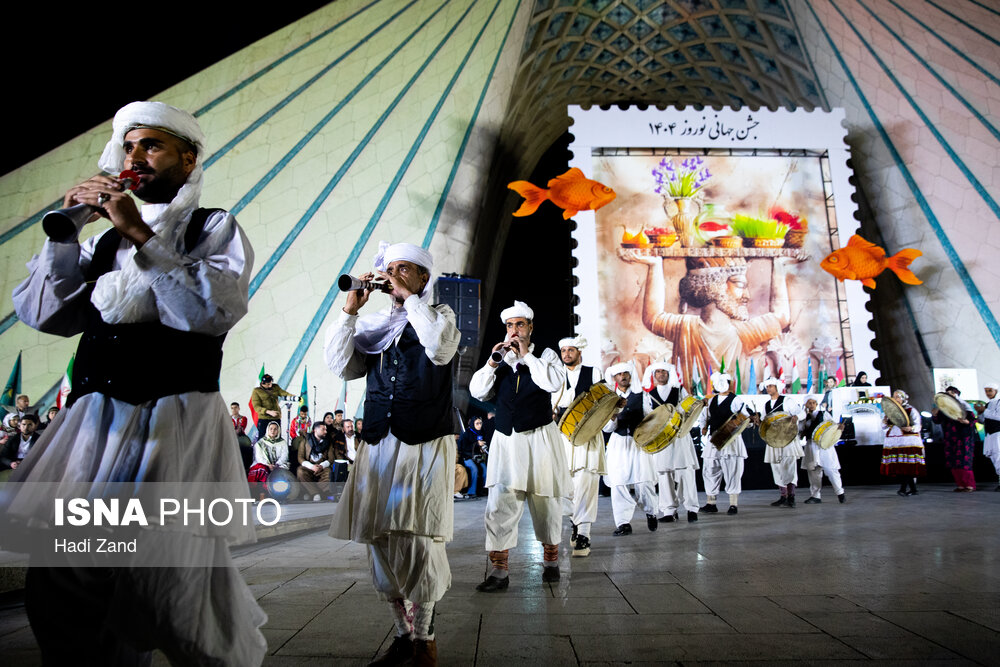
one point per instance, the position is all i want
(863, 260)
(573, 192)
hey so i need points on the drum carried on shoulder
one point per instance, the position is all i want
(731, 430)
(588, 413)
(778, 429)
(690, 408)
(896, 413)
(950, 407)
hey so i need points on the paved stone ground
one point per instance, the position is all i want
(881, 579)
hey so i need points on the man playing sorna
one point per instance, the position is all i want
(398, 496)
(154, 297)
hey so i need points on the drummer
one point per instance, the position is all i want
(991, 423)
(586, 461)
(627, 464)
(783, 460)
(817, 461)
(726, 463)
(675, 464)
(959, 442)
(903, 455)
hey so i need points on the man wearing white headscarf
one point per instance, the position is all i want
(398, 498)
(726, 463)
(527, 460)
(676, 463)
(783, 460)
(991, 423)
(628, 466)
(154, 297)
(586, 460)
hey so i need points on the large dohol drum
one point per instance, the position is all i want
(730, 430)
(778, 429)
(690, 408)
(658, 429)
(588, 413)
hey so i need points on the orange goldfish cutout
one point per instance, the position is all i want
(573, 192)
(863, 260)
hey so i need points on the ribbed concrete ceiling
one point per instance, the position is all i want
(679, 52)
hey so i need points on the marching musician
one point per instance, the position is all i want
(726, 463)
(817, 461)
(587, 461)
(397, 499)
(627, 464)
(783, 460)
(527, 457)
(959, 441)
(991, 423)
(154, 297)
(903, 455)
(676, 464)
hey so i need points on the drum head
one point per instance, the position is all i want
(826, 434)
(950, 406)
(778, 429)
(281, 484)
(657, 429)
(691, 408)
(587, 415)
(894, 410)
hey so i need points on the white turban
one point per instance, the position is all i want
(672, 381)
(623, 367)
(777, 382)
(720, 381)
(405, 252)
(993, 385)
(519, 309)
(579, 342)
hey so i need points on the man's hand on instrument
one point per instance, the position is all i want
(399, 287)
(520, 345)
(500, 348)
(358, 298)
(107, 196)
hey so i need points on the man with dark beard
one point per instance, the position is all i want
(723, 329)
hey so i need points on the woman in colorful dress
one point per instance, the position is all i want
(959, 443)
(269, 452)
(903, 450)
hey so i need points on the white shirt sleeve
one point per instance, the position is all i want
(51, 298)
(647, 402)
(547, 371)
(338, 349)
(481, 384)
(435, 327)
(205, 291)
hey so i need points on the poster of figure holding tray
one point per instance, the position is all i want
(710, 257)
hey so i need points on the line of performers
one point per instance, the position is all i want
(398, 498)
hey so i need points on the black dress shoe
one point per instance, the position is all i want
(670, 518)
(732, 510)
(550, 575)
(493, 584)
(711, 508)
(842, 498)
(791, 501)
(400, 652)
(581, 548)
(780, 502)
(813, 501)
(692, 517)
(624, 529)
(651, 521)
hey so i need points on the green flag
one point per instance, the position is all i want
(260, 376)
(722, 368)
(304, 394)
(739, 378)
(13, 388)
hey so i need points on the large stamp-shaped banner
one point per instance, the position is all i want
(710, 254)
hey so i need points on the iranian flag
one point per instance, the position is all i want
(66, 386)
(796, 380)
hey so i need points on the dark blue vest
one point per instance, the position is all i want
(521, 404)
(672, 398)
(719, 413)
(630, 416)
(144, 361)
(408, 394)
